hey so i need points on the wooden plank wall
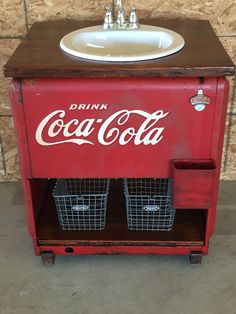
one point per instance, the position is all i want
(18, 15)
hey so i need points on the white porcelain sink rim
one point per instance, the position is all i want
(68, 45)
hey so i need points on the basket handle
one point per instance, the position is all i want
(151, 208)
(80, 207)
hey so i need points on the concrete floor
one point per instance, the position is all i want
(115, 284)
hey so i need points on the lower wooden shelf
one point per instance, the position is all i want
(188, 230)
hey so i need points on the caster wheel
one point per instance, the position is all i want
(48, 258)
(195, 258)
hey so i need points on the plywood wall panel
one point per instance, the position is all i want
(2, 168)
(230, 45)
(220, 13)
(16, 14)
(7, 46)
(231, 162)
(228, 176)
(9, 150)
(231, 103)
(226, 173)
(12, 18)
(40, 10)
(225, 147)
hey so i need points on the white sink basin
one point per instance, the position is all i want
(145, 43)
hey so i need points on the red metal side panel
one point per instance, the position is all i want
(21, 136)
(217, 146)
(115, 127)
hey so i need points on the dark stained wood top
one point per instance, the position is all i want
(39, 54)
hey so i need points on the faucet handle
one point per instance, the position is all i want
(133, 19)
(133, 16)
(108, 19)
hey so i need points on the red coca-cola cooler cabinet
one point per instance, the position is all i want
(151, 132)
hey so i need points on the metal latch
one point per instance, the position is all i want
(200, 101)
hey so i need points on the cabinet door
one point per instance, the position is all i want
(115, 127)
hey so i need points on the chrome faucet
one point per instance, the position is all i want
(115, 17)
(117, 3)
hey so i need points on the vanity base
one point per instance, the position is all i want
(42, 156)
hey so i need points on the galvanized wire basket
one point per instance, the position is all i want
(148, 204)
(81, 203)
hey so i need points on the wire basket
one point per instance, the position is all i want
(148, 204)
(81, 203)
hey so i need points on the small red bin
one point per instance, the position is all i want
(193, 182)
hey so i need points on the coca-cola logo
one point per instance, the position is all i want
(200, 99)
(114, 129)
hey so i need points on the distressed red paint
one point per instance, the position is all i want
(135, 143)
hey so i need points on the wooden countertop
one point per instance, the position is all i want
(39, 54)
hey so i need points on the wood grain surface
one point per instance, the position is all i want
(39, 54)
